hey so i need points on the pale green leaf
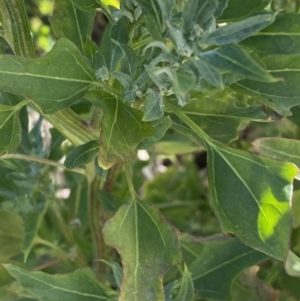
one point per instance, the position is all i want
(240, 9)
(53, 81)
(175, 148)
(11, 234)
(117, 271)
(10, 128)
(81, 285)
(279, 148)
(160, 127)
(282, 95)
(166, 7)
(292, 264)
(82, 154)
(69, 22)
(232, 58)
(148, 246)
(218, 264)
(256, 211)
(122, 130)
(198, 12)
(153, 106)
(238, 31)
(186, 292)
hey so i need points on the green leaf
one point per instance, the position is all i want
(166, 8)
(10, 128)
(186, 292)
(279, 148)
(160, 127)
(240, 9)
(221, 7)
(280, 38)
(153, 106)
(148, 246)
(210, 74)
(69, 22)
(88, 5)
(282, 95)
(11, 234)
(218, 264)
(292, 264)
(53, 81)
(198, 12)
(33, 222)
(117, 271)
(77, 286)
(122, 130)
(232, 58)
(257, 212)
(82, 154)
(211, 115)
(238, 31)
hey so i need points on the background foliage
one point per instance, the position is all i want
(206, 94)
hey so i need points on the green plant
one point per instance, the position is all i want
(180, 82)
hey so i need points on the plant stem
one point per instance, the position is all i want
(132, 192)
(39, 160)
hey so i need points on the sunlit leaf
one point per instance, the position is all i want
(256, 211)
(148, 246)
(77, 286)
(53, 81)
(279, 148)
(153, 106)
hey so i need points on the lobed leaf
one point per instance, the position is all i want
(122, 130)
(218, 264)
(54, 81)
(69, 22)
(148, 246)
(82, 154)
(76, 286)
(256, 211)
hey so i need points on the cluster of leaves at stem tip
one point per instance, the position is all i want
(169, 77)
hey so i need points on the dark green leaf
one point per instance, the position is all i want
(282, 95)
(122, 130)
(210, 74)
(32, 224)
(148, 246)
(186, 292)
(258, 212)
(77, 286)
(82, 154)
(240, 9)
(280, 38)
(238, 31)
(198, 12)
(221, 7)
(232, 58)
(221, 119)
(279, 148)
(71, 23)
(11, 234)
(10, 128)
(153, 106)
(218, 264)
(54, 81)
(160, 127)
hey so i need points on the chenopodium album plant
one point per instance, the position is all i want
(169, 77)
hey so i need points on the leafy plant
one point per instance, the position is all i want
(147, 187)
